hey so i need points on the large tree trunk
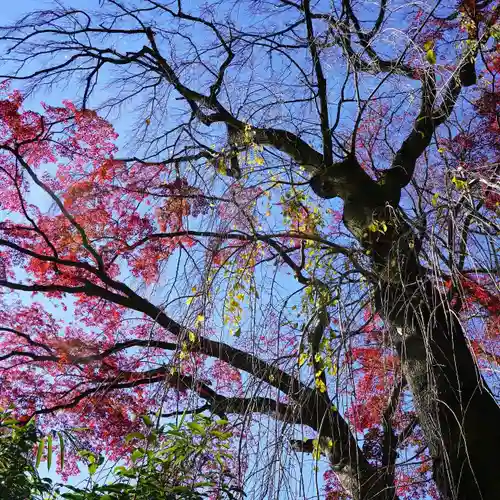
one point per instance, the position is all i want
(459, 417)
(458, 414)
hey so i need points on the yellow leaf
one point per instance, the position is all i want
(320, 385)
(459, 183)
(200, 318)
(431, 57)
(316, 450)
(302, 358)
(192, 337)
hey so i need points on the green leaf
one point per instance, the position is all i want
(49, 451)
(117, 487)
(204, 484)
(316, 450)
(87, 454)
(128, 473)
(221, 435)
(137, 454)
(430, 56)
(134, 435)
(196, 427)
(93, 468)
(39, 453)
(61, 450)
(175, 432)
(181, 489)
(495, 32)
(179, 459)
(152, 437)
(10, 421)
(459, 183)
(219, 460)
(147, 420)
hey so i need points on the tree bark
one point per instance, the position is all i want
(456, 411)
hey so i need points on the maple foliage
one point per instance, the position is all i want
(179, 284)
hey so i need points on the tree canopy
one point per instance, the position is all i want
(295, 234)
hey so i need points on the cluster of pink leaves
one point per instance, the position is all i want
(98, 214)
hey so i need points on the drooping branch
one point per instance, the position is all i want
(390, 441)
(316, 410)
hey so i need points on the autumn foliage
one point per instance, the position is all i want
(163, 287)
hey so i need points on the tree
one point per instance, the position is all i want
(19, 478)
(184, 460)
(303, 231)
(171, 461)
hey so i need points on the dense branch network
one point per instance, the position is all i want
(299, 125)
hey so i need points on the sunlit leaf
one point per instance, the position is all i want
(49, 451)
(39, 452)
(61, 450)
(430, 56)
(147, 420)
(134, 435)
(196, 427)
